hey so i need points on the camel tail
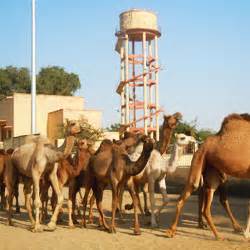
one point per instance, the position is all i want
(197, 165)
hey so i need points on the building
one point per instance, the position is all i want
(52, 111)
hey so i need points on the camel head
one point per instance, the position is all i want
(72, 127)
(148, 145)
(82, 144)
(131, 140)
(169, 124)
(183, 140)
(171, 121)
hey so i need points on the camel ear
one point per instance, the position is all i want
(178, 115)
(175, 135)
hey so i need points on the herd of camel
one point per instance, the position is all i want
(134, 162)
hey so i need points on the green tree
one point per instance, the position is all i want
(114, 127)
(13, 79)
(55, 80)
(50, 80)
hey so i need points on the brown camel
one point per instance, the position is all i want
(111, 165)
(214, 180)
(32, 160)
(228, 151)
(3, 154)
(68, 171)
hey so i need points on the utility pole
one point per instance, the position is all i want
(33, 70)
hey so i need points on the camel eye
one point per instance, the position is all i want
(182, 138)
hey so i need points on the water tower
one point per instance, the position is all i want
(137, 44)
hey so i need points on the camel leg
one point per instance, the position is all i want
(37, 202)
(91, 204)
(16, 194)
(144, 191)
(201, 203)
(85, 202)
(247, 231)
(120, 199)
(70, 202)
(3, 200)
(209, 193)
(10, 177)
(163, 190)
(44, 200)
(225, 204)
(54, 181)
(98, 192)
(114, 203)
(184, 196)
(28, 194)
(132, 192)
(151, 189)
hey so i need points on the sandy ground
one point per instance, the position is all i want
(188, 237)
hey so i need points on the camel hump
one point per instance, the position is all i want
(37, 139)
(233, 117)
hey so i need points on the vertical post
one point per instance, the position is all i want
(33, 70)
(122, 79)
(126, 78)
(145, 104)
(156, 89)
(133, 76)
(150, 88)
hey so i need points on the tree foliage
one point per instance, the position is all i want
(114, 127)
(13, 79)
(87, 131)
(56, 81)
(50, 80)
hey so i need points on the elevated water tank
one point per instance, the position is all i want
(135, 20)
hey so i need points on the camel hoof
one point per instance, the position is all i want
(137, 231)
(154, 225)
(202, 225)
(10, 223)
(83, 224)
(112, 230)
(220, 238)
(37, 228)
(129, 206)
(170, 233)
(247, 235)
(147, 213)
(72, 226)
(18, 210)
(238, 229)
(51, 226)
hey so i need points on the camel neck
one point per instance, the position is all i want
(165, 140)
(174, 157)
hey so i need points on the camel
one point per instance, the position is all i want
(67, 173)
(111, 165)
(228, 151)
(3, 154)
(32, 160)
(156, 170)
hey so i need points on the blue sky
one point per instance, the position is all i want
(204, 50)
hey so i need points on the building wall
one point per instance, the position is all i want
(6, 111)
(44, 104)
(57, 118)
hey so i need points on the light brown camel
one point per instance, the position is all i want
(68, 171)
(32, 160)
(111, 165)
(228, 151)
